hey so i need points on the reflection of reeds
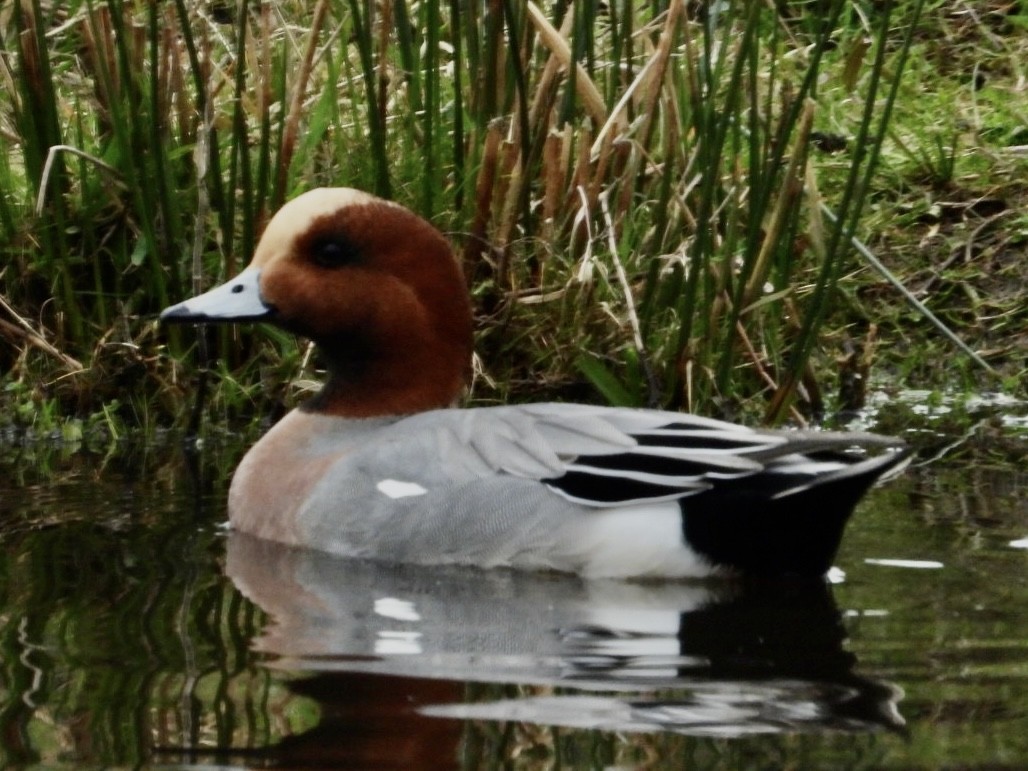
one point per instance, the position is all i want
(629, 178)
(123, 615)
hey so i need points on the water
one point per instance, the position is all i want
(134, 630)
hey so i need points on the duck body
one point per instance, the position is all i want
(378, 465)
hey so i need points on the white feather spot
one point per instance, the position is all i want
(867, 613)
(836, 575)
(394, 488)
(915, 564)
(1021, 543)
(401, 610)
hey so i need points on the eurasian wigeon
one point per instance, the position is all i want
(381, 465)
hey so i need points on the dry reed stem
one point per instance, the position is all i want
(512, 182)
(792, 189)
(582, 221)
(25, 331)
(815, 218)
(566, 150)
(30, 54)
(762, 373)
(622, 277)
(201, 162)
(553, 182)
(546, 86)
(695, 91)
(137, 48)
(590, 95)
(51, 157)
(177, 84)
(164, 92)
(484, 184)
(384, 30)
(599, 174)
(580, 176)
(805, 383)
(657, 77)
(264, 96)
(95, 38)
(623, 177)
(296, 105)
(579, 183)
(685, 365)
(649, 81)
(10, 87)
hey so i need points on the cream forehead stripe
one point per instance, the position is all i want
(296, 216)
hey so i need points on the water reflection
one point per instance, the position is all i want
(703, 659)
(124, 641)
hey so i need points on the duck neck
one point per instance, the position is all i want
(366, 381)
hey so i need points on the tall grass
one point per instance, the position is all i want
(631, 187)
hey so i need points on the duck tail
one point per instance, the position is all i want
(795, 530)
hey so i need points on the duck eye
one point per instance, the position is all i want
(332, 253)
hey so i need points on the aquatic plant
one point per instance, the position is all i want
(637, 190)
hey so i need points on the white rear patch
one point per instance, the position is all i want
(394, 488)
(641, 540)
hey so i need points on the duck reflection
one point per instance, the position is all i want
(724, 659)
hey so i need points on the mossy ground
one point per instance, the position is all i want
(950, 213)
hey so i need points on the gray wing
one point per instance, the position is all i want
(608, 457)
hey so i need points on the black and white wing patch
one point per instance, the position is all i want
(688, 457)
(669, 462)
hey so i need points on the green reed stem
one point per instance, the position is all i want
(868, 146)
(376, 124)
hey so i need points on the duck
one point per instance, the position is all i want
(383, 464)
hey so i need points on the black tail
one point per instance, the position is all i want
(757, 526)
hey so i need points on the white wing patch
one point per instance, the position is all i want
(394, 488)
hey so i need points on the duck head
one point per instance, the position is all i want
(375, 286)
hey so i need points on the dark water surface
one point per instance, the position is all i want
(135, 631)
